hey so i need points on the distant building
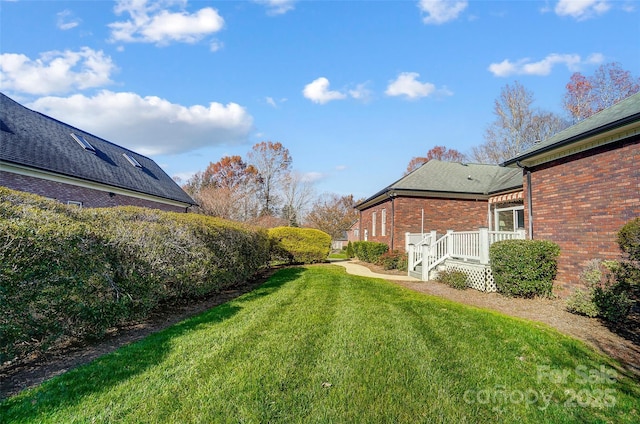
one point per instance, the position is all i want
(41, 155)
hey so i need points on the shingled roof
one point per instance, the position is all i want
(615, 119)
(32, 139)
(451, 179)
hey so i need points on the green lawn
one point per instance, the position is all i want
(317, 345)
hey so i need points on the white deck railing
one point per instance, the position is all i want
(431, 251)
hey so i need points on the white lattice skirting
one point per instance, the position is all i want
(479, 277)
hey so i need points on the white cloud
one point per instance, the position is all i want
(312, 177)
(216, 45)
(151, 125)
(277, 7)
(407, 85)
(543, 67)
(361, 92)
(66, 20)
(150, 22)
(582, 9)
(55, 72)
(318, 91)
(441, 11)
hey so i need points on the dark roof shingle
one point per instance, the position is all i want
(38, 141)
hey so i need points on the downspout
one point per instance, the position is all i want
(393, 218)
(529, 198)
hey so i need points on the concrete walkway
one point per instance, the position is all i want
(363, 271)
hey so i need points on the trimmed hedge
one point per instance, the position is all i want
(69, 272)
(295, 245)
(369, 251)
(524, 268)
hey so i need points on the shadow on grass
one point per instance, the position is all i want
(110, 370)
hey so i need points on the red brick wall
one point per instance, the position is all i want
(65, 192)
(439, 214)
(581, 202)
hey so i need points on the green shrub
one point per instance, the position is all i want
(524, 268)
(70, 272)
(393, 259)
(349, 250)
(454, 278)
(612, 295)
(629, 239)
(299, 245)
(369, 251)
(581, 300)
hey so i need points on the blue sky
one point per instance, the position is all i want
(354, 89)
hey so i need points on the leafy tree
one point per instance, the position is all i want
(226, 189)
(229, 172)
(273, 163)
(516, 127)
(332, 214)
(437, 152)
(608, 85)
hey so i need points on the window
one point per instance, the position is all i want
(83, 142)
(383, 217)
(373, 224)
(509, 219)
(132, 160)
(74, 203)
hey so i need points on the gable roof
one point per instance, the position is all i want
(37, 141)
(617, 122)
(452, 180)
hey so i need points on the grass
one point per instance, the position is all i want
(317, 345)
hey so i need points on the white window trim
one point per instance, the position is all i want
(373, 224)
(383, 218)
(496, 222)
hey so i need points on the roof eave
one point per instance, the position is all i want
(396, 192)
(587, 136)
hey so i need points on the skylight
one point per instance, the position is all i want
(132, 160)
(83, 142)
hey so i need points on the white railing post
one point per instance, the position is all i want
(484, 245)
(407, 242)
(449, 241)
(411, 255)
(425, 268)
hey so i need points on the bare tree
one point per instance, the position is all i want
(272, 162)
(516, 127)
(437, 152)
(608, 85)
(297, 193)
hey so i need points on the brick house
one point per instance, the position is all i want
(442, 196)
(41, 155)
(582, 185)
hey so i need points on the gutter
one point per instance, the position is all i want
(529, 198)
(607, 127)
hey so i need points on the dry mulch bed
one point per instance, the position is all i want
(32, 371)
